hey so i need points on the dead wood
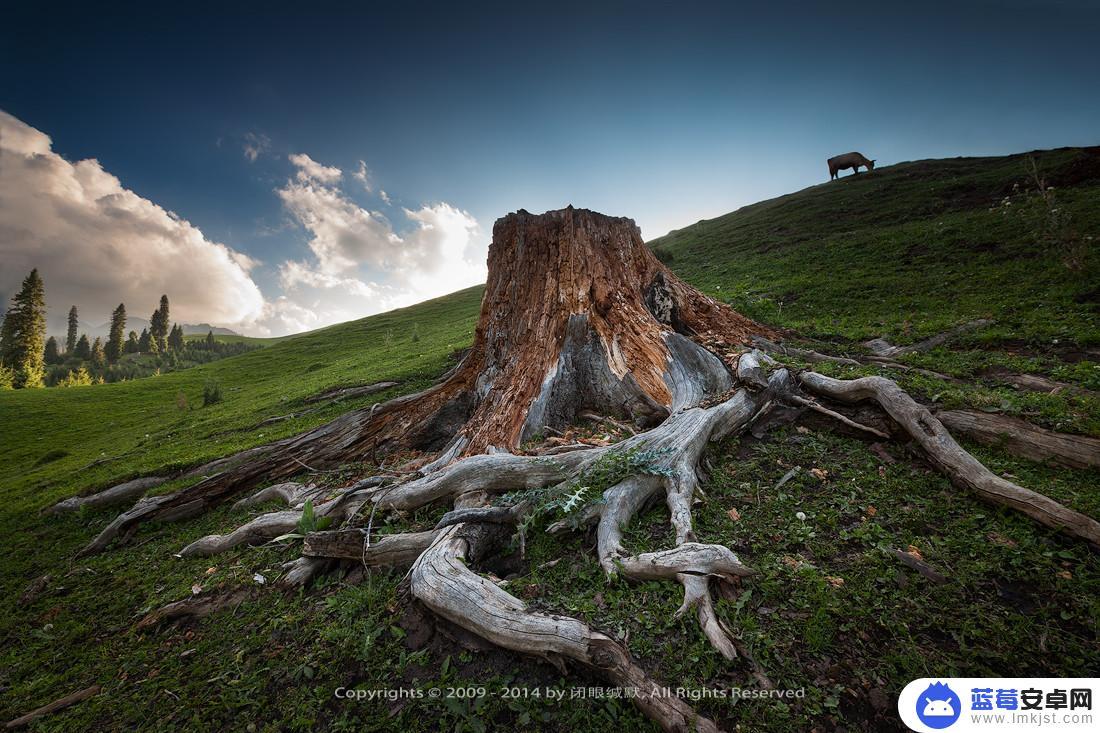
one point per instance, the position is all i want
(1021, 438)
(53, 707)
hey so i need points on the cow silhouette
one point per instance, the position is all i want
(851, 160)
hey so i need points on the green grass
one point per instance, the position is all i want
(237, 339)
(143, 425)
(906, 252)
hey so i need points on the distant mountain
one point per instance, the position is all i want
(135, 323)
(204, 328)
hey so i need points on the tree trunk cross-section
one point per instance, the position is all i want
(579, 319)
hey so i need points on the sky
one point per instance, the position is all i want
(276, 171)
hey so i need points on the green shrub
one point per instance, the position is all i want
(76, 378)
(211, 393)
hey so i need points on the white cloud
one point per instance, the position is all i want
(361, 265)
(310, 170)
(362, 174)
(385, 197)
(97, 243)
(255, 144)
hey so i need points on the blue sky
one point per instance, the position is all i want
(667, 113)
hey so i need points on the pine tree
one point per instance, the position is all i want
(78, 378)
(118, 330)
(53, 353)
(74, 326)
(175, 338)
(158, 324)
(83, 347)
(132, 343)
(7, 340)
(210, 342)
(154, 326)
(24, 333)
(144, 341)
(99, 356)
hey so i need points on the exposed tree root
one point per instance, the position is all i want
(442, 580)
(1036, 383)
(344, 393)
(120, 494)
(273, 524)
(195, 607)
(780, 350)
(882, 348)
(944, 453)
(392, 550)
(298, 573)
(837, 416)
(1023, 439)
(293, 494)
(600, 328)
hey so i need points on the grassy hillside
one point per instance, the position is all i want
(911, 250)
(903, 253)
(52, 437)
(233, 338)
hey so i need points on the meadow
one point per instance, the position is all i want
(903, 253)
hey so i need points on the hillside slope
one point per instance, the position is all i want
(908, 251)
(911, 250)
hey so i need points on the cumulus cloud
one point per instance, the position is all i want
(97, 243)
(361, 264)
(310, 170)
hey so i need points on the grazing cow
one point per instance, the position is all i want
(848, 160)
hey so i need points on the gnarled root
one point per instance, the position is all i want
(195, 607)
(949, 457)
(1023, 439)
(119, 494)
(291, 493)
(442, 581)
(273, 524)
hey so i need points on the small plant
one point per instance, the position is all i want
(1053, 223)
(309, 522)
(211, 393)
(567, 502)
(181, 402)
